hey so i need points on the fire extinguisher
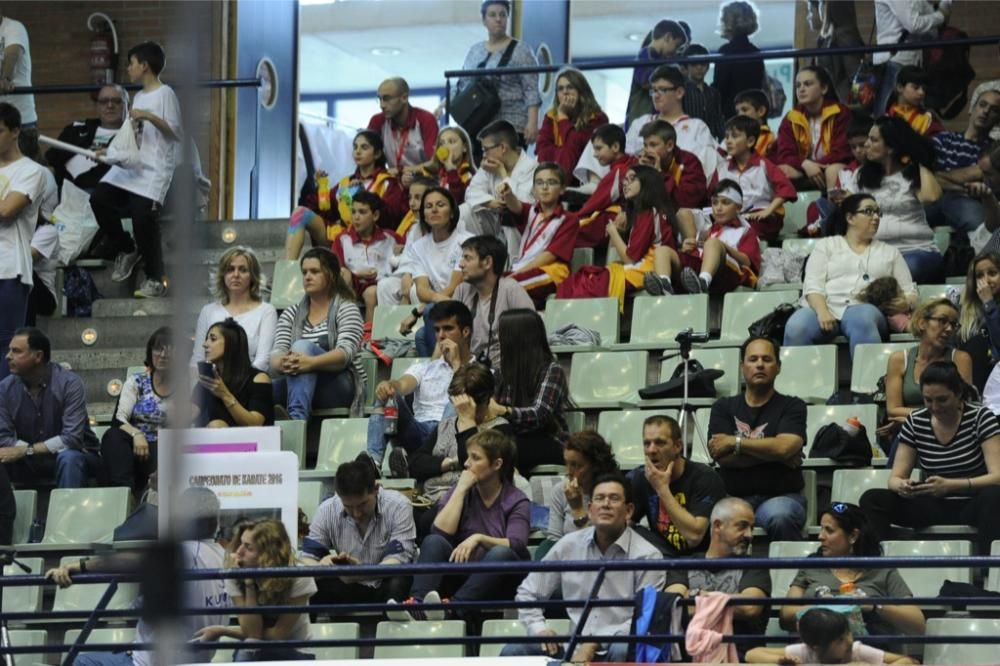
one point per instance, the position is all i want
(103, 50)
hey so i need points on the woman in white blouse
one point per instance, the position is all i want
(237, 288)
(838, 270)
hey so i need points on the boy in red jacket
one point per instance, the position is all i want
(683, 176)
(606, 201)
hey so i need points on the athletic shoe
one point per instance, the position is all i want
(433, 597)
(656, 285)
(399, 463)
(151, 289)
(402, 613)
(125, 263)
(692, 282)
(366, 457)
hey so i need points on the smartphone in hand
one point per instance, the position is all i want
(206, 369)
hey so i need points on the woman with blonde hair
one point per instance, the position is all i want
(237, 288)
(569, 125)
(265, 544)
(979, 317)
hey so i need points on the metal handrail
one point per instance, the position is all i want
(526, 566)
(60, 88)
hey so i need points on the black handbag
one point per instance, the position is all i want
(772, 325)
(832, 441)
(479, 103)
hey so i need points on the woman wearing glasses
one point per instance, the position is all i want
(957, 445)
(897, 173)
(128, 448)
(934, 323)
(840, 267)
(846, 532)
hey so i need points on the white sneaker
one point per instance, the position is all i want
(433, 597)
(151, 289)
(125, 263)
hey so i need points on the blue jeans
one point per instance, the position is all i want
(320, 390)
(411, 434)
(74, 468)
(862, 323)
(617, 652)
(103, 659)
(426, 338)
(477, 587)
(781, 516)
(13, 313)
(958, 211)
(925, 265)
(886, 88)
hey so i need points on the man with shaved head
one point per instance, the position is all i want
(409, 133)
(731, 531)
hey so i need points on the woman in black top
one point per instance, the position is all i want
(532, 390)
(737, 21)
(235, 393)
(957, 445)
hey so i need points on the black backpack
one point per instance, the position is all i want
(949, 74)
(80, 292)
(832, 441)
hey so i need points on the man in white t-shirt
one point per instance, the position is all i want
(139, 192)
(22, 184)
(427, 381)
(15, 72)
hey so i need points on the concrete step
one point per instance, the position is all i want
(112, 332)
(100, 359)
(148, 307)
(223, 234)
(97, 381)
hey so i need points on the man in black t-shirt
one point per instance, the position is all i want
(731, 534)
(757, 437)
(675, 495)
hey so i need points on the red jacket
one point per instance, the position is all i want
(685, 180)
(604, 204)
(795, 136)
(561, 142)
(428, 131)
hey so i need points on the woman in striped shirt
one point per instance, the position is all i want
(317, 343)
(957, 445)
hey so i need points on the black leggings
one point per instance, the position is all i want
(123, 468)
(884, 508)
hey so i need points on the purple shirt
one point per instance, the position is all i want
(508, 518)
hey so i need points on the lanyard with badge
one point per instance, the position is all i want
(484, 356)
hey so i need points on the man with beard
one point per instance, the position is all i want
(731, 533)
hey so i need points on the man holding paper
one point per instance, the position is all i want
(92, 134)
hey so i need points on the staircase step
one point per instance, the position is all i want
(113, 332)
(99, 359)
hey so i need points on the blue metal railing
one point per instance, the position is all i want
(510, 568)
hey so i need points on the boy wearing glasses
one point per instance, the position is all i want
(93, 133)
(503, 163)
(666, 85)
(548, 233)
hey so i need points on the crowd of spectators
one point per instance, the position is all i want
(681, 197)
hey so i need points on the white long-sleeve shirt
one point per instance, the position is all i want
(835, 271)
(575, 585)
(917, 17)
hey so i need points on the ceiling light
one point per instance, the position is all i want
(634, 36)
(385, 51)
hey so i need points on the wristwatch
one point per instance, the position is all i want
(415, 312)
(29, 451)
